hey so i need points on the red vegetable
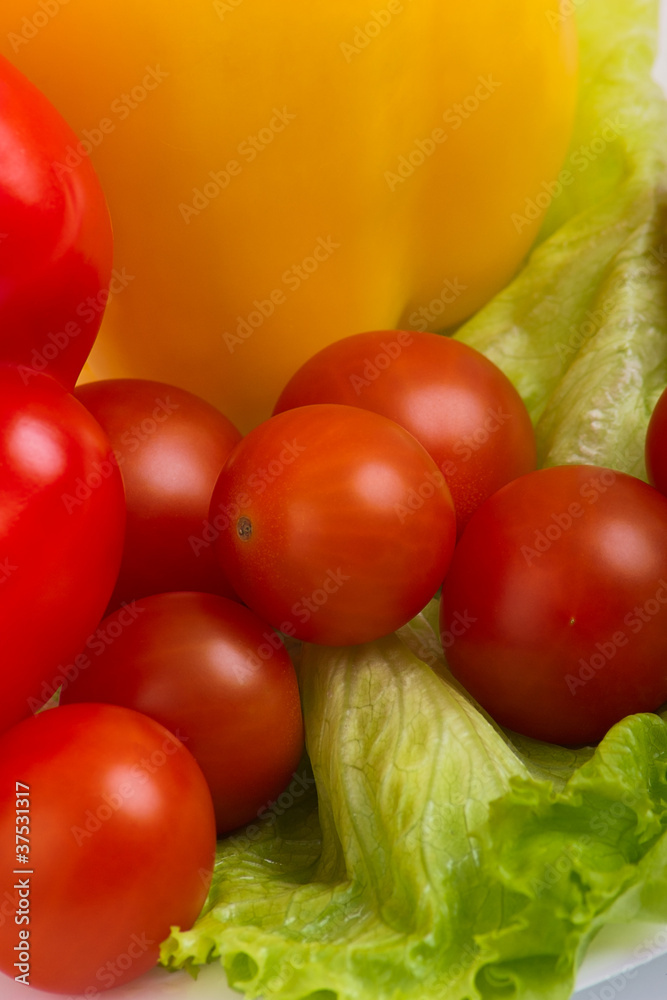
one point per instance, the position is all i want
(457, 403)
(55, 237)
(118, 836)
(62, 517)
(213, 671)
(554, 611)
(333, 524)
(170, 447)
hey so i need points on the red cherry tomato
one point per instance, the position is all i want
(554, 611)
(56, 245)
(334, 524)
(118, 834)
(62, 515)
(457, 403)
(656, 445)
(213, 671)
(170, 446)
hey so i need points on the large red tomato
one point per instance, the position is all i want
(170, 446)
(457, 403)
(107, 839)
(554, 611)
(55, 244)
(333, 523)
(212, 671)
(62, 515)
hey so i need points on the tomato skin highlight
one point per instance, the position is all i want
(170, 447)
(554, 612)
(457, 403)
(333, 524)
(62, 519)
(57, 246)
(121, 844)
(211, 670)
(656, 445)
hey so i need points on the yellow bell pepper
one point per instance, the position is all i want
(281, 175)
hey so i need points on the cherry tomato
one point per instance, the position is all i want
(62, 515)
(334, 524)
(457, 403)
(554, 611)
(656, 445)
(116, 845)
(170, 446)
(213, 671)
(56, 245)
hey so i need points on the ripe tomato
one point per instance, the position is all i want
(554, 611)
(334, 524)
(118, 836)
(170, 446)
(457, 403)
(62, 515)
(656, 445)
(56, 244)
(213, 671)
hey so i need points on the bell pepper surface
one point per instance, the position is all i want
(283, 175)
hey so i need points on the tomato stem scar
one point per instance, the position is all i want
(244, 527)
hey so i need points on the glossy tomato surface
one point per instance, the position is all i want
(333, 524)
(62, 516)
(554, 612)
(656, 445)
(116, 845)
(213, 671)
(170, 447)
(56, 245)
(457, 403)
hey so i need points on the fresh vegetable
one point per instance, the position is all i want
(443, 858)
(554, 609)
(656, 445)
(459, 405)
(266, 202)
(438, 860)
(333, 523)
(61, 535)
(212, 671)
(55, 238)
(107, 838)
(422, 869)
(582, 331)
(170, 447)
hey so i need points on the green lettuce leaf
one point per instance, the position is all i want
(441, 858)
(582, 330)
